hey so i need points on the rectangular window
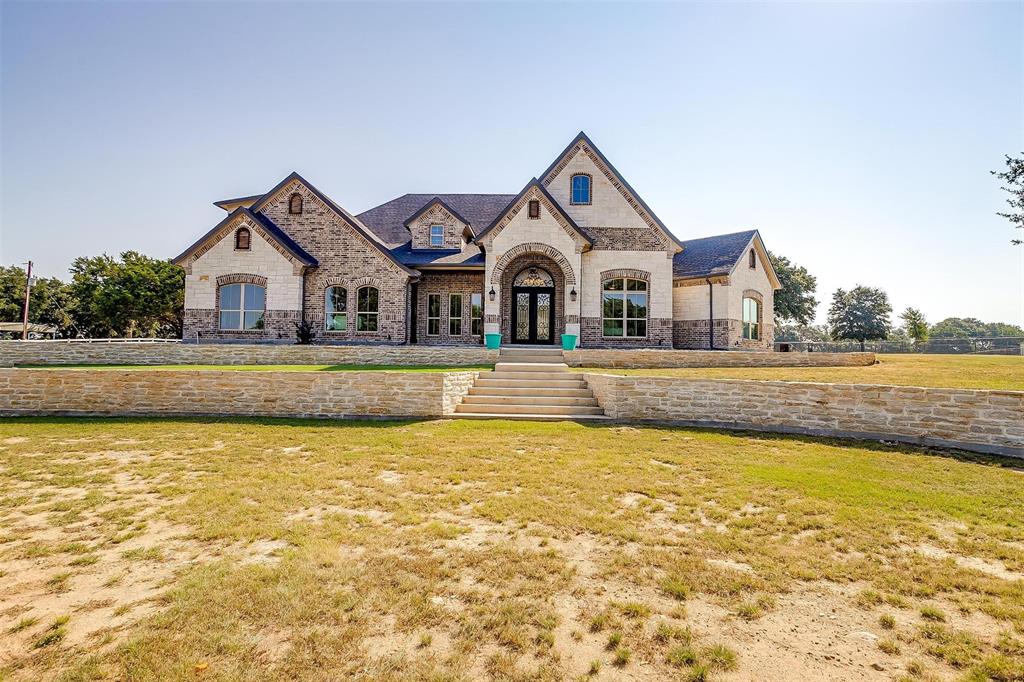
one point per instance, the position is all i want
(534, 210)
(437, 235)
(433, 314)
(455, 314)
(242, 306)
(751, 319)
(476, 313)
(624, 308)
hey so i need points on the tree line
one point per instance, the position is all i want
(126, 297)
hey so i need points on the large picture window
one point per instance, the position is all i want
(242, 306)
(455, 314)
(624, 304)
(751, 319)
(433, 314)
(476, 314)
(336, 309)
(367, 300)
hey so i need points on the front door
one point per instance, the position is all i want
(533, 315)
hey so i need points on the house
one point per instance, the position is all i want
(576, 251)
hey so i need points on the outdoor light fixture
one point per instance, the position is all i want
(572, 294)
(490, 294)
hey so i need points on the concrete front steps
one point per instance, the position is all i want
(530, 383)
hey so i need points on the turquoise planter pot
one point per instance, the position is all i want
(493, 341)
(568, 342)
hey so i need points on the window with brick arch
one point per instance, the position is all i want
(295, 204)
(336, 309)
(367, 312)
(751, 319)
(580, 189)
(242, 239)
(624, 307)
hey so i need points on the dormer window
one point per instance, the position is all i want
(534, 209)
(295, 204)
(437, 235)
(753, 260)
(242, 239)
(580, 189)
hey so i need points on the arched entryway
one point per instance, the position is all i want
(532, 300)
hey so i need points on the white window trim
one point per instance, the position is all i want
(440, 236)
(755, 323)
(243, 286)
(327, 315)
(625, 318)
(439, 317)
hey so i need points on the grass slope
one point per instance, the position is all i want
(463, 550)
(942, 371)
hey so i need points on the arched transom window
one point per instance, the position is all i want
(751, 319)
(336, 309)
(242, 306)
(533, 277)
(242, 239)
(580, 189)
(367, 302)
(624, 307)
(295, 204)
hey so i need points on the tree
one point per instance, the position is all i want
(51, 301)
(795, 301)
(915, 325)
(972, 327)
(801, 332)
(860, 314)
(1013, 176)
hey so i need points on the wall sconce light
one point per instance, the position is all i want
(491, 294)
(572, 294)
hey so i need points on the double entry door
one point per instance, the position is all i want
(533, 315)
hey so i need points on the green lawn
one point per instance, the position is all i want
(944, 371)
(462, 550)
(279, 368)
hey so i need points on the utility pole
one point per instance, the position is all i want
(24, 317)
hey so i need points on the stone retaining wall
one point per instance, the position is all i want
(650, 359)
(982, 421)
(57, 353)
(231, 393)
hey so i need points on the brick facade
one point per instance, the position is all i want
(437, 215)
(444, 284)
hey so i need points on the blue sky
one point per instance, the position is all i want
(856, 137)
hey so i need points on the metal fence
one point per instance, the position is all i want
(996, 345)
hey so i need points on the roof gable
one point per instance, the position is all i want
(243, 217)
(719, 255)
(437, 201)
(389, 220)
(582, 144)
(535, 190)
(294, 180)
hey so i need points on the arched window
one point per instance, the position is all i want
(624, 307)
(336, 309)
(753, 259)
(533, 210)
(242, 239)
(751, 319)
(367, 300)
(533, 277)
(295, 204)
(580, 189)
(242, 306)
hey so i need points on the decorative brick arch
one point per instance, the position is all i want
(533, 247)
(241, 278)
(334, 282)
(367, 282)
(626, 272)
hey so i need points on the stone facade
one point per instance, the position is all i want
(444, 284)
(983, 421)
(303, 244)
(646, 358)
(73, 353)
(231, 393)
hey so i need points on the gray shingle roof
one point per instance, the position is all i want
(710, 256)
(388, 220)
(414, 258)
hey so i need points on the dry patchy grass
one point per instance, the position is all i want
(462, 550)
(1000, 372)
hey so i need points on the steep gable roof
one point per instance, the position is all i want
(345, 216)
(531, 186)
(614, 176)
(437, 201)
(388, 221)
(273, 232)
(718, 255)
